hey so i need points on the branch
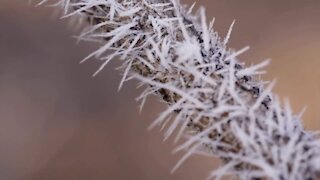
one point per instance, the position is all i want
(220, 106)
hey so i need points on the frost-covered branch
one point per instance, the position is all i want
(222, 107)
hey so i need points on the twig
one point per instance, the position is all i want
(221, 106)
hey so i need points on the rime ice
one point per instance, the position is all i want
(214, 101)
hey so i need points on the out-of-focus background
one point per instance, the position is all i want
(59, 123)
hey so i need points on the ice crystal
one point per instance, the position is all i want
(221, 106)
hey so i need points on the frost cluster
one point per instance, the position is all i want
(218, 105)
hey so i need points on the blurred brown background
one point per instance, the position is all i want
(59, 123)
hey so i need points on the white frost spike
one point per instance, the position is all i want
(222, 108)
(106, 62)
(165, 114)
(125, 74)
(234, 55)
(205, 31)
(131, 12)
(117, 35)
(191, 8)
(211, 25)
(253, 69)
(190, 152)
(226, 39)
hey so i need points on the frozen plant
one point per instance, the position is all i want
(218, 105)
